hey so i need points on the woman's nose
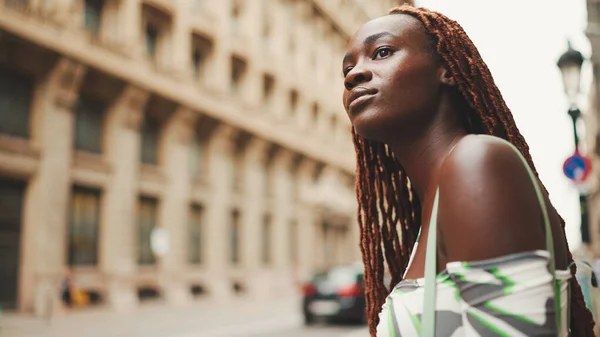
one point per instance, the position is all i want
(357, 76)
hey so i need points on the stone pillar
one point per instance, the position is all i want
(282, 212)
(66, 12)
(178, 134)
(182, 40)
(220, 67)
(253, 212)
(118, 220)
(47, 201)
(306, 220)
(130, 24)
(218, 259)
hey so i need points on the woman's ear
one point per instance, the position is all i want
(446, 78)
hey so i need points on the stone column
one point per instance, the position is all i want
(181, 39)
(118, 220)
(219, 70)
(253, 211)
(218, 216)
(64, 12)
(282, 212)
(306, 221)
(178, 134)
(47, 201)
(130, 24)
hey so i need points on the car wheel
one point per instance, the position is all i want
(363, 319)
(309, 319)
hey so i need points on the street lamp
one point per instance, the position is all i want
(570, 64)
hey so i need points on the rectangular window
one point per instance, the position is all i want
(201, 51)
(197, 158)
(237, 168)
(315, 113)
(195, 235)
(149, 148)
(93, 15)
(266, 240)
(89, 122)
(197, 60)
(83, 227)
(147, 212)
(238, 70)
(16, 90)
(268, 88)
(293, 102)
(235, 237)
(152, 32)
(268, 183)
(12, 194)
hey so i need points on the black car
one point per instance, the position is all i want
(337, 293)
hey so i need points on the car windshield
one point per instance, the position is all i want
(338, 277)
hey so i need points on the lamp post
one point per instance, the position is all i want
(570, 64)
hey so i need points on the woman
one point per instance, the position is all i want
(417, 92)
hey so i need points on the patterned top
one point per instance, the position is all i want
(515, 295)
(506, 296)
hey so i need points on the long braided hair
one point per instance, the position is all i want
(389, 212)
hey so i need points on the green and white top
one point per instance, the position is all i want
(516, 295)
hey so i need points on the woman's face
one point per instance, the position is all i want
(392, 77)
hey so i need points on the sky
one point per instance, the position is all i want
(521, 41)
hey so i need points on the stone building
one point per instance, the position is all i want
(171, 148)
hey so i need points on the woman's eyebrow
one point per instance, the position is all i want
(369, 40)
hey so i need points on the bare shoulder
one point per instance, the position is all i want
(488, 204)
(479, 154)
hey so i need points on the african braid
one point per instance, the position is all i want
(389, 211)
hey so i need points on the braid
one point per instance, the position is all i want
(389, 211)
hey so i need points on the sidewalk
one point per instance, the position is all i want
(204, 318)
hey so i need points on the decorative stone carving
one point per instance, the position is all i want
(283, 158)
(224, 137)
(306, 169)
(66, 78)
(183, 124)
(134, 101)
(258, 148)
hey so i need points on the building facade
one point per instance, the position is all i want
(173, 148)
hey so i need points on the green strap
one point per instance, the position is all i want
(428, 318)
(549, 240)
(428, 322)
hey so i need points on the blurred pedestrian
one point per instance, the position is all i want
(448, 194)
(67, 289)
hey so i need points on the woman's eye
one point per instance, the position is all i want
(346, 71)
(382, 53)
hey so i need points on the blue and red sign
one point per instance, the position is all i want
(577, 167)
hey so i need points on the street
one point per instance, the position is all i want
(294, 330)
(321, 331)
(235, 318)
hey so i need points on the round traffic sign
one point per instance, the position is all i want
(577, 167)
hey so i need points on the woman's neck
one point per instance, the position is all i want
(422, 155)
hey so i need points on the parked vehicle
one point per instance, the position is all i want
(337, 293)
